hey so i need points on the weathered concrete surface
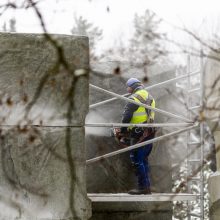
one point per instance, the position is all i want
(37, 176)
(215, 211)
(28, 63)
(132, 210)
(115, 174)
(42, 171)
(132, 216)
(214, 182)
(212, 85)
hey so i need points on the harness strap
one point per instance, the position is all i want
(148, 101)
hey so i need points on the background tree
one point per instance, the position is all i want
(145, 45)
(83, 27)
(11, 24)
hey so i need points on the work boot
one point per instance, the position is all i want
(140, 191)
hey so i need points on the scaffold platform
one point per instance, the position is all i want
(154, 197)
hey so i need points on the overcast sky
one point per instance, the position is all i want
(199, 15)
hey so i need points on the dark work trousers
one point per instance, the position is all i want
(139, 159)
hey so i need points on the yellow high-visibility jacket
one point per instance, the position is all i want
(142, 115)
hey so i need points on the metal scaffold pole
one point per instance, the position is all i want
(141, 104)
(139, 145)
(150, 125)
(202, 134)
(188, 137)
(147, 88)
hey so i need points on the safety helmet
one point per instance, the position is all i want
(132, 81)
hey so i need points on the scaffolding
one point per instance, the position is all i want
(195, 149)
(188, 125)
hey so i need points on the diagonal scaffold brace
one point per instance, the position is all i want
(90, 161)
(141, 104)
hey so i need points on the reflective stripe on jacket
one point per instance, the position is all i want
(141, 115)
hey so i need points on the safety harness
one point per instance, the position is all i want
(140, 116)
(148, 102)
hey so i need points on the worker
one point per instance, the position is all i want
(137, 114)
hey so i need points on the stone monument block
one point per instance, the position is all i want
(44, 101)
